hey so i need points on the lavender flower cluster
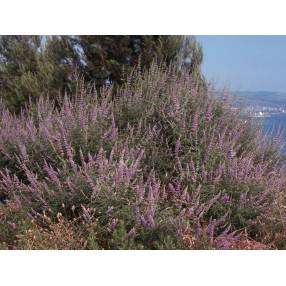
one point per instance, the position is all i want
(158, 158)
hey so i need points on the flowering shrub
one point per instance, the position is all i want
(161, 165)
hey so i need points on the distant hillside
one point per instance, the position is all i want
(263, 98)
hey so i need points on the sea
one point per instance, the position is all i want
(274, 125)
(273, 104)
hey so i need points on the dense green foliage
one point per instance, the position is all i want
(31, 66)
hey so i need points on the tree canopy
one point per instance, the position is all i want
(34, 65)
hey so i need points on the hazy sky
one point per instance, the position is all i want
(253, 63)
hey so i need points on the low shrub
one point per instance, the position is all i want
(162, 165)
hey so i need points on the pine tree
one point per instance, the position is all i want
(19, 58)
(104, 58)
(31, 66)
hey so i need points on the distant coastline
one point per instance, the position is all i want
(269, 107)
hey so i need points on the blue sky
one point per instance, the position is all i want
(252, 63)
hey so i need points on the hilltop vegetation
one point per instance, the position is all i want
(118, 142)
(158, 163)
(34, 66)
